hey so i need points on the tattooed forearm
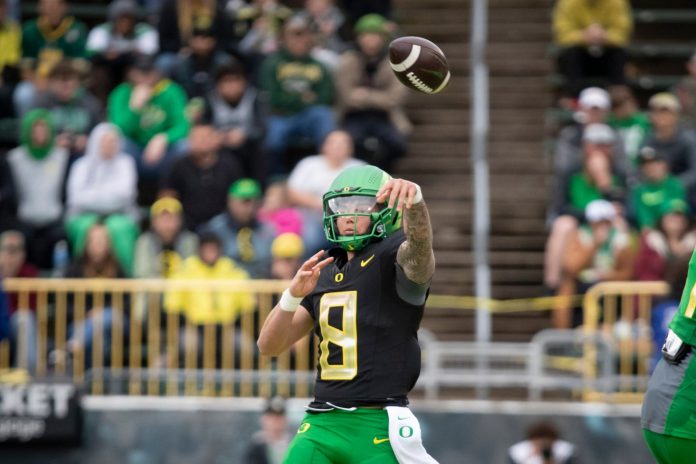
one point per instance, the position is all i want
(415, 255)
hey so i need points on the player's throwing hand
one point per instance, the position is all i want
(400, 192)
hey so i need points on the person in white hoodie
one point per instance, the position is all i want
(103, 187)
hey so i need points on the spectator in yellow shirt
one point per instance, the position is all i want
(593, 35)
(10, 54)
(209, 306)
(203, 313)
(10, 39)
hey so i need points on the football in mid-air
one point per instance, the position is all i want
(419, 64)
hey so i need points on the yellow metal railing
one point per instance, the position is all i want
(622, 310)
(139, 348)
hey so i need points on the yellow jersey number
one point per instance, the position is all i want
(346, 338)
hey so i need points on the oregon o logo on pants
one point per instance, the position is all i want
(406, 431)
(304, 427)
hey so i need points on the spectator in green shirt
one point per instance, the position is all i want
(45, 41)
(632, 124)
(150, 110)
(596, 179)
(300, 91)
(658, 187)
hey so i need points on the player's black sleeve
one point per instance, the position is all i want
(409, 291)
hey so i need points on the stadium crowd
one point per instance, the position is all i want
(194, 139)
(624, 198)
(184, 139)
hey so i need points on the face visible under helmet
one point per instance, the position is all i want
(353, 193)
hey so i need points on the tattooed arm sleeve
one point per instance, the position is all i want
(415, 255)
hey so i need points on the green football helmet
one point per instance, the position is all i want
(353, 193)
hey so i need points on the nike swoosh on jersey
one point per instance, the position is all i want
(403, 418)
(377, 441)
(365, 262)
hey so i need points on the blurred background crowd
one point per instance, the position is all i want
(236, 115)
(624, 173)
(185, 138)
(194, 139)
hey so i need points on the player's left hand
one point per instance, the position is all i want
(399, 191)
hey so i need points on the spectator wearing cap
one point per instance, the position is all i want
(113, 44)
(592, 37)
(599, 251)
(300, 91)
(594, 105)
(195, 72)
(177, 21)
(658, 187)
(597, 178)
(10, 55)
(670, 242)
(632, 124)
(234, 108)
(74, 109)
(244, 238)
(311, 179)
(287, 251)
(370, 99)
(201, 179)
(160, 251)
(675, 143)
(123, 35)
(39, 169)
(685, 91)
(103, 187)
(46, 40)
(150, 110)
(268, 445)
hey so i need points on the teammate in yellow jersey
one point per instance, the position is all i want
(365, 302)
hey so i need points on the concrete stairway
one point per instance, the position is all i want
(519, 33)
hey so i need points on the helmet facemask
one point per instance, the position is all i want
(383, 220)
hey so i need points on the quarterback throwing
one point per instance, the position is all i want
(364, 299)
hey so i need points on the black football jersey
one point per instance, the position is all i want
(368, 350)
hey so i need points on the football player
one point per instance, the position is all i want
(365, 302)
(669, 407)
